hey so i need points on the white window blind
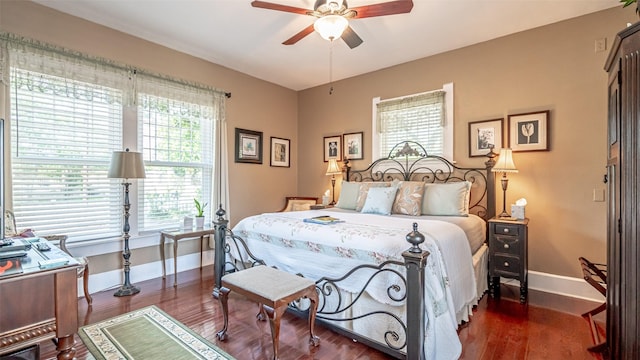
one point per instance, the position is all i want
(63, 132)
(419, 118)
(177, 143)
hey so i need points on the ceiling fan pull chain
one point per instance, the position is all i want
(331, 67)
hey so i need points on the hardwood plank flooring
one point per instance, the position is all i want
(499, 329)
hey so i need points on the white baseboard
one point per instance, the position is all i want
(561, 285)
(113, 279)
(555, 284)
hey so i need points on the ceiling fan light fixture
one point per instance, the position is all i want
(331, 27)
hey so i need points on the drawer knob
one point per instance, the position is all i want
(506, 246)
(505, 230)
(506, 264)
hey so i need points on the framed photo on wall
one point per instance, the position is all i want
(248, 146)
(482, 134)
(332, 146)
(529, 132)
(280, 152)
(353, 149)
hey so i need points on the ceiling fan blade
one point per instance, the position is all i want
(297, 37)
(351, 38)
(387, 8)
(279, 7)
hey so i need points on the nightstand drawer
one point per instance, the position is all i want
(506, 244)
(507, 229)
(506, 264)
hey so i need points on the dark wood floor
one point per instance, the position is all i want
(546, 328)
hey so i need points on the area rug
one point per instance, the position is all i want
(148, 333)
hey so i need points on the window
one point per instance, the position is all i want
(69, 113)
(425, 118)
(178, 148)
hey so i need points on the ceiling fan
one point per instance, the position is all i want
(332, 17)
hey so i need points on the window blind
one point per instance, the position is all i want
(63, 132)
(418, 118)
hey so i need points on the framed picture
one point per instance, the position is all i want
(353, 146)
(332, 148)
(529, 132)
(248, 146)
(482, 134)
(280, 151)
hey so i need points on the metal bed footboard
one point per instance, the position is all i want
(402, 339)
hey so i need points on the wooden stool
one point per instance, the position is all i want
(273, 290)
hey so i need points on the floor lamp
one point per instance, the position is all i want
(504, 165)
(333, 169)
(126, 165)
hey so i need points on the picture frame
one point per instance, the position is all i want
(353, 146)
(248, 146)
(280, 152)
(484, 133)
(529, 131)
(332, 146)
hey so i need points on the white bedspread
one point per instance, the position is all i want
(332, 250)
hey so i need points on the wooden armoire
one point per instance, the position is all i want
(623, 179)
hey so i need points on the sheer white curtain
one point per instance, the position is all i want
(5, 111)
(221, 180)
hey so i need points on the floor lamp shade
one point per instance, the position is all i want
(126, 165)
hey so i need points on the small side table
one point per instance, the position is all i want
(177, 235)
(508, 254)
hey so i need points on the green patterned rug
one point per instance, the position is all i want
(148, 333)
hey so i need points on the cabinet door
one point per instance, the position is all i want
(613, 213)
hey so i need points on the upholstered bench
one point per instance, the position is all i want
(273, 289)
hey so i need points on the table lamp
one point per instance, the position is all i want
(504, 165)
(333, 169)
(126, 165)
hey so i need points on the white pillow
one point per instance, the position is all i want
(379, 200)
(348, 195)
(450, 199)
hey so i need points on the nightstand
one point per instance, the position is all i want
(320, 207)
(508, 254)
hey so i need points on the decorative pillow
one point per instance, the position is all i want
(379, 200)
(348, 195)
(409, 198)
(364, 189)
(446, 199)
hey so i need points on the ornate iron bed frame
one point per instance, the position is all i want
(407, 161)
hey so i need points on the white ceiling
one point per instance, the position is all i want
(233, 34)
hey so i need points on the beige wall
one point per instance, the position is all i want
(553, 67)
(255, 104)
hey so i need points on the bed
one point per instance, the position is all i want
(402, 266)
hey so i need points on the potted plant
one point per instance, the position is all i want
(199, 212)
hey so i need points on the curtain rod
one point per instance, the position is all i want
(102, 61)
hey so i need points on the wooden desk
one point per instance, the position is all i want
(39, 305)
(177, 235)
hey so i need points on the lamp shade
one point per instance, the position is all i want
(505, 162)
(333, 168)
(126, 165)
(330, 27)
